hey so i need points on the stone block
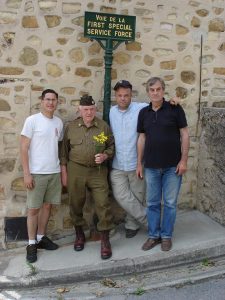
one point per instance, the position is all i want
(219, 71)
(34, 40)
(181, 46)
(79, 21)
(30, 22)
(4, 105)
(71, 8)
(181, 92)
(7, 17)
(188, 77)
(202, 12)
(216, 25)
(49, 5)
(107, 9)
(95, 48)
(28, 56)
(18, 184)
(142, 73)
(218, 10)
(11, 71)
(48, 52)
(15, 4)
(62, 41)
(68, 90)
(95, 62)
(53, 70)
(138, 11)
(4, 91)
(161, 39)
(166, 26)
(195, 22)
(181, 30)
(7, 124)
(122, 58)
(168, 65)
(66, 30)
(76, 54)
(53, 21)
(162, 52)
(83, 72)
(134, 46)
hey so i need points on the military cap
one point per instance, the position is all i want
(123, 84)
(87, 100)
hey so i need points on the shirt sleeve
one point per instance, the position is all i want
(61, 131)
(110, 143)
(64, 148)
(28, 128)
(140, 126)
(181, 118)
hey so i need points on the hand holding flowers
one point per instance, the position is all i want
(100, 140)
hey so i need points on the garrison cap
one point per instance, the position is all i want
(87, 100)
(123, 84)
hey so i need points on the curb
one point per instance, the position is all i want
(128, 266)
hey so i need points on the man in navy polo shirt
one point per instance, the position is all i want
(162, 146)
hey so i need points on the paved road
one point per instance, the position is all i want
(201, 281)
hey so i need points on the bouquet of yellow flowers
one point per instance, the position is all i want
(100, 140)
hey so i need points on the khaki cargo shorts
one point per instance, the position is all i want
(47, 190)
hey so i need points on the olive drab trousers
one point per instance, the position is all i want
(95, 179)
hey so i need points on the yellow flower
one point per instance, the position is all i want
(100, 138)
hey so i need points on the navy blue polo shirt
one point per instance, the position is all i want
(162, 131)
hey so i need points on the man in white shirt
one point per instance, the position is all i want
(39, 156)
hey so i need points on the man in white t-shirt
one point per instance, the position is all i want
(39, 155)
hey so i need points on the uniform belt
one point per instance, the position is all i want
(86, 165)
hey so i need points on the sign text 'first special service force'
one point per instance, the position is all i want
(105, 26)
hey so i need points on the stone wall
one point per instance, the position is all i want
(42, 45)
(211, 169)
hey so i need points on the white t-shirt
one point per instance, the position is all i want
(45, 134)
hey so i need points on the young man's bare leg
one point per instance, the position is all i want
(43, 218)
(43, 241)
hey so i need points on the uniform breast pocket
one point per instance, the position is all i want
(76, 143)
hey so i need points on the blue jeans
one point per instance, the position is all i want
(162, 183)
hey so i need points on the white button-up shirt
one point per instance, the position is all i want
(124, 128)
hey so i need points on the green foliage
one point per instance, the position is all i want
(139, 291)
(207, 263)
(32, 268)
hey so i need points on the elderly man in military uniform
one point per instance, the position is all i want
(83, 166)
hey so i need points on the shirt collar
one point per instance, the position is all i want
(124, 111)
(162, 106)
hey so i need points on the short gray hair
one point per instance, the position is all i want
(153, 80)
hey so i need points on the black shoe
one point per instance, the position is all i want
(131, 233)
(31, 253)
(47, 244)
